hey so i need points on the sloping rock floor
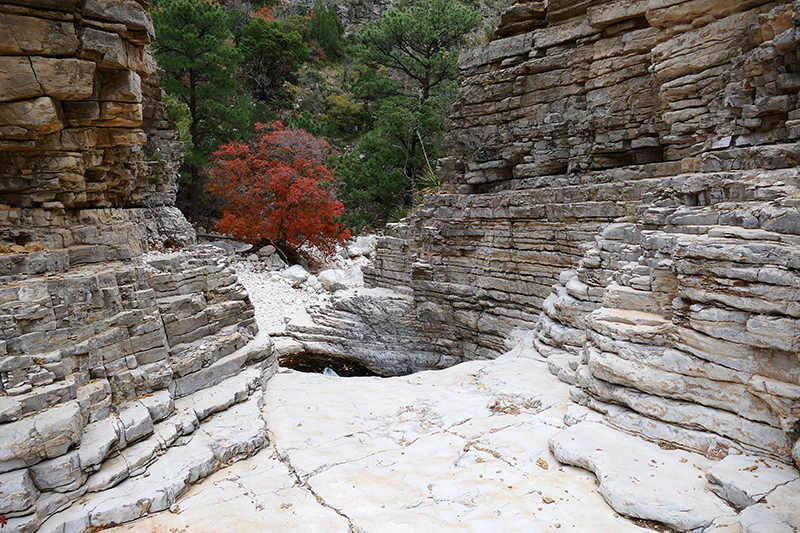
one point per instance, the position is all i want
(482, 446)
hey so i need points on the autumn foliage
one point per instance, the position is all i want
(278, 188)
(264, 13)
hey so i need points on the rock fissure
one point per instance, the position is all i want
(284, 458)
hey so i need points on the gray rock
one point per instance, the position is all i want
(62, 474)
(266, 251)
(136, 423)
(46, 435)
(98, 438)
(779, 514)
(639, 479)
(158, 404)
(274, 262)
(796, 453)
(743, 479)
(217, 398)
(18, 491)
(363, 246)
(111, 473)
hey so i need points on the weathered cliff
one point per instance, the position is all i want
(108, 357)
(624, 179)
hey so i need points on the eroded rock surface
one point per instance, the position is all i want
(123, 376)
(475, 447)
(624, 176)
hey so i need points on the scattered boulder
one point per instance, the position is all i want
(340, 279)
(363, 246)
(296, 274)
(266, 251)
(231, 247)
(274, 262)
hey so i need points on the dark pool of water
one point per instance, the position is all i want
(313, 363)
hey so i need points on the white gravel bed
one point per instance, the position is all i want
(273, 296)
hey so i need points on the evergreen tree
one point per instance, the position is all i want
(195, 48)
(326, 30)
(412, 82)
(271, 56)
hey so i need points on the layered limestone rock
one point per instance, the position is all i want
(625, 179)
(108, 357)
(82, 127)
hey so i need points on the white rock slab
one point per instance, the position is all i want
(98, 438)
(641, 480)
(205, 402)
(287, 346)
(159, 405)
(295, 274)
(226, 437)
(464, 449)
(258, 494)
(136, 422)
(17, 491)
(744, 479)
(779, 514)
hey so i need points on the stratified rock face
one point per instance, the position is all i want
(108, 357)
(625, 177)
(81, 123)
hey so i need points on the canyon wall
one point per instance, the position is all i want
(624, 180)
(109, 355)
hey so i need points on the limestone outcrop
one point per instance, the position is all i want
(624, 179)
(111, 355)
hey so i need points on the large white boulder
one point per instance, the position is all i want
(296, 274)
(340, 279)
(364, 245)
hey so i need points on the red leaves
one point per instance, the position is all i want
(3, 521)
(278, 188)
(264, 13)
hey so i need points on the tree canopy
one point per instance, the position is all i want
(271, 55)
(278, 188)
(420, 40)
(409, 82)
(195, 48)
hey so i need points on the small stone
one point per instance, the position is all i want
(266, 251)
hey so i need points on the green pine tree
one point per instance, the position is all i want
(410, 87)
(194, 46)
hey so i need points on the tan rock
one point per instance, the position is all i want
(30, 118)
(64, 79)
(17, 80)
(122, 86)
(106, 48)
(23, 35)
(55, 5)
(116, 114)
(665, 13)
(120, 137)
(81, 113)
(128, 12)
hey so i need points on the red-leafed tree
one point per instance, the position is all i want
(264, 13)
(278, 188)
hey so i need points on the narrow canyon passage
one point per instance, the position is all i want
(463, 449)
(467, 448)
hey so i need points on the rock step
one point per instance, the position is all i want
(151, 474)
(257, 350)
(744, 480)
(143, 430)
(639, 479)
(779, 512)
